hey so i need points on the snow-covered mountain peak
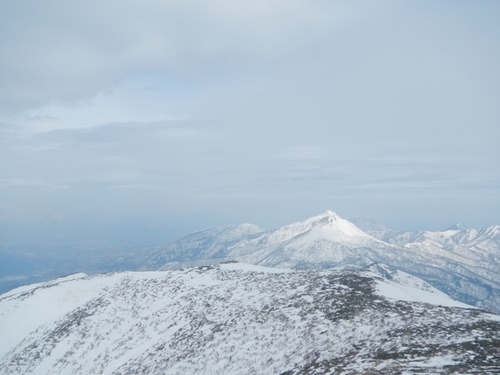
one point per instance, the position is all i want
(321, 241)
(328, 216)
(459, 226)
(332, 215)
(327, 240)
(331, 226)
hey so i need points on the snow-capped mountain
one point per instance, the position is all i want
(374, 228)
(202, 245)
(464, 263)
(237, 318)
(324, 241)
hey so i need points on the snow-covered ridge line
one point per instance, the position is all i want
(31, 287)
(462, 262)
(240, 318)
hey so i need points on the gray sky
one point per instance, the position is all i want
(143, 121)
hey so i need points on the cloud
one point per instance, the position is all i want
(23, 182)
(281, 109)
(66, 51)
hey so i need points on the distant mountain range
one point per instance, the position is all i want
(463, 263)
(235, 318)
(321, 296)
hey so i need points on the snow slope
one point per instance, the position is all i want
(462, 262)
(325, 240)
(241, 319)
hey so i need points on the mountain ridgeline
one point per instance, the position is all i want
(463, 263)
(235, 318)
(321, 296)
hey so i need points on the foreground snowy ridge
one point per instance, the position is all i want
(240, 319)
(461, 262)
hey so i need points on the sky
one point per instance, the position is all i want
(143, 121)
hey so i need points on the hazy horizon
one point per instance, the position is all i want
(128, 123)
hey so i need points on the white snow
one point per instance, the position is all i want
(395, 291)
(25, 309)
(252, 268)
(469, 256)
(233, 318)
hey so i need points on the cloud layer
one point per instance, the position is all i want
(171, 116)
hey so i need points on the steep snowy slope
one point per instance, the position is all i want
(322, 241)
(242, 319)
(464, 263)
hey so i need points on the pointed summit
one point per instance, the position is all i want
(332, 223)
(458, 226)
(328, 214)
(331, 214)
(333, 217)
